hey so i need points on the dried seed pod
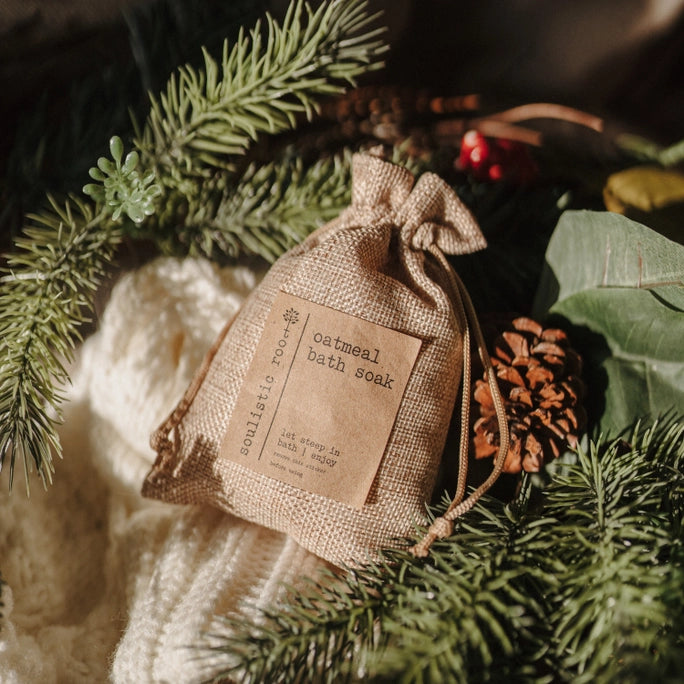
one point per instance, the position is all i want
(539, 376)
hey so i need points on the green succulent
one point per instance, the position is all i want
(120, 185)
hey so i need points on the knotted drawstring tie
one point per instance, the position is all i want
(443, 526)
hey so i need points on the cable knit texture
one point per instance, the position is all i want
(103, 585)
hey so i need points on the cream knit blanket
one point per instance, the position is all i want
(103, 585)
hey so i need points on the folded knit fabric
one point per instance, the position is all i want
(103, 585)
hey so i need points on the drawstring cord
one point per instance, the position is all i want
(443, 526)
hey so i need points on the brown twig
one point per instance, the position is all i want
(547, 110)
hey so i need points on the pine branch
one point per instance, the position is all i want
(586, 588)
(269, 210)
(47, 289)
(477, 611)
(206, 117)
(620, 535)
(407, 620)
(315, 629)
(276, 206)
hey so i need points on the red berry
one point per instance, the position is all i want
(495, 159)
(474, 151)
(495, 172)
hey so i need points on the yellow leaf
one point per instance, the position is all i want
(645, 188)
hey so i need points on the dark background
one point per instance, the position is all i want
(70, 70)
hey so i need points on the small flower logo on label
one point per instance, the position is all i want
(291, 316)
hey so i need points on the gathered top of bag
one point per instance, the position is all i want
(424, 212)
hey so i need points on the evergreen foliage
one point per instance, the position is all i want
(47, 291)
(207, 116)
(618, 528)
(55, 142)
(269, 210)
(272, 208)
(581, 582)
(183, 164)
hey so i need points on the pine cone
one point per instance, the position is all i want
(539, 378)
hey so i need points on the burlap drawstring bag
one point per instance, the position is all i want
(323, 408)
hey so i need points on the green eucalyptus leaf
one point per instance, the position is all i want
(618, 288)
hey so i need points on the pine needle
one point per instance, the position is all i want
(404, 619)
(316, 629)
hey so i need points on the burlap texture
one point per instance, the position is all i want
(369, 262)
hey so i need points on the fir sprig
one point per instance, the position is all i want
(177, 189)
(404, 620)
(619, 522)
(315, 630)
(280, 204)
(206, 117)
(478, 610)
(272, 208)
(267, 211)
(47, 291)
(584, 587)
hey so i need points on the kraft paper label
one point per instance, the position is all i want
(320, 399)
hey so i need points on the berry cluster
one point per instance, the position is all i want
(496, 159)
